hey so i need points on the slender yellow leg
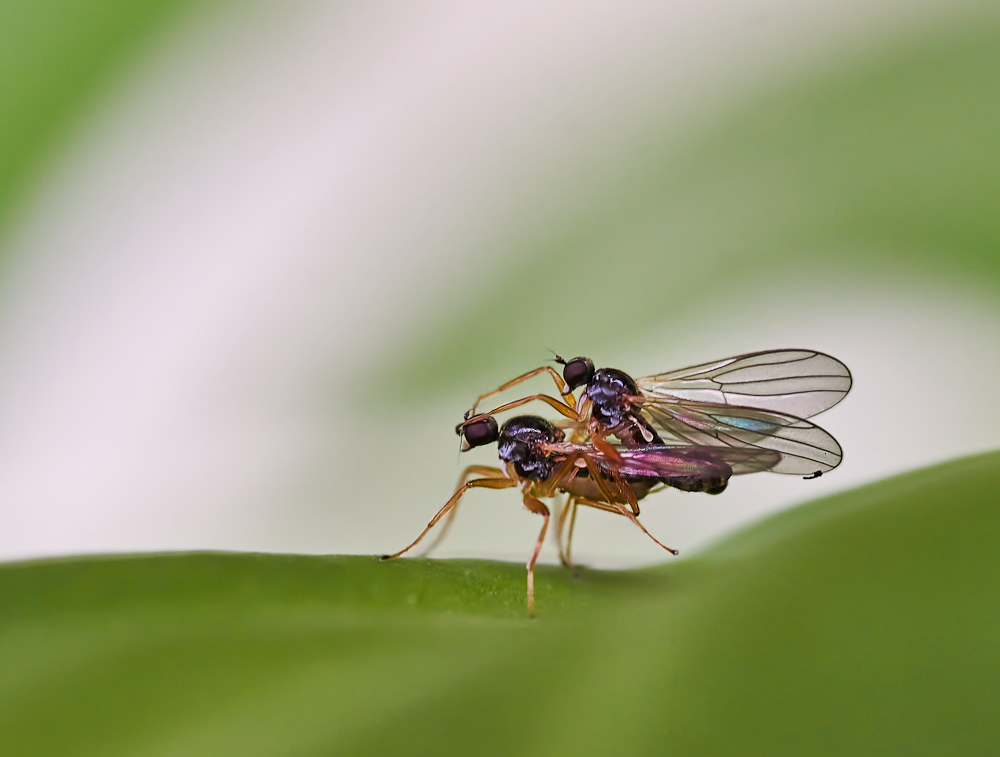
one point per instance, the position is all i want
(569, 536)
(487, 483)
(561, 407)
(560, 385)
(563, 512)
(536, 506)
(624, 511)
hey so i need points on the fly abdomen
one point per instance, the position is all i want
(709, 484)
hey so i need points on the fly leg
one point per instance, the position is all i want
(487, 471)
(563, 511)
(566, 553)
(612, 498)
(538, 507)
(564, 390)
(612, 490)
(566, 513)
(487, 483)
(569, 536)
(561, 407)
(622, 510)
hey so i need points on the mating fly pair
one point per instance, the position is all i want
(690, 429)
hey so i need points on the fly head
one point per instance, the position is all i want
(577, 372)
(479, 431)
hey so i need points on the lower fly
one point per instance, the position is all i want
(538, 460)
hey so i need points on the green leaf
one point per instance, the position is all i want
(861, 623)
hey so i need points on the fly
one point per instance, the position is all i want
(537, 460)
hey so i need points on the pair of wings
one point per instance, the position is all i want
(668, 461)
(757, 402)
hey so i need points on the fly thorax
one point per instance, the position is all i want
(611, 393)
(520, 443)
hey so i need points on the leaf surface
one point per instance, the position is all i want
(864, 622)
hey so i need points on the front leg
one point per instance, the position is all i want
(487, 483)
(564, 409)
(561, 385)
(487, 471)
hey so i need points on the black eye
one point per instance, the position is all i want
(480, 432)
(578, 371)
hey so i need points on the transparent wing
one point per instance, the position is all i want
(672, 461)
(800, 383)
(804, 447)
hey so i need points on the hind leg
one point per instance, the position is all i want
(624, 511)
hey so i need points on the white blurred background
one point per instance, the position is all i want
(217, 289)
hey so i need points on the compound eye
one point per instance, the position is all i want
(481, 431)
(578, 371)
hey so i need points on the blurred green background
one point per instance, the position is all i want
(258, 258)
